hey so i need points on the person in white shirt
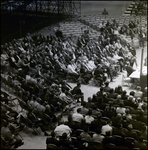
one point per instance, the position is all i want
(121, 109)
(139, 102)
(118, 45)
(91, 64)
(62, 128)
(97, 137)
(88, 117)
(71, 68)
(77, 117)
(107, 128)
(138, 93)
(128, 115)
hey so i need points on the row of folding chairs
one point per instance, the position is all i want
(75, 28)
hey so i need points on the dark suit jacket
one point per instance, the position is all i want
(116, 121)
(131, 133)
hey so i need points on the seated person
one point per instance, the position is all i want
(130, 102)
(118, 89)
(124, 96)
(138, 92)
(77, 93)
(110, 110)
(77, 117)
(84, 110)
(97, 137)
(66, 88)
(51, 139)
(121, 109)
(107, 127)
(71, 69)
(112, 94)
(71, 123)
(144, 96)
(85, 136)
(108, 138)
(118, 130)
(116, 120)
(88, 117)
(85, 74)
(130, 132)
(106, 88)
(118, 100)
(9, 137)
(62, 128)
(128, 114)
(64, 142)
(91, 64)
(98, 74)
(90, 104)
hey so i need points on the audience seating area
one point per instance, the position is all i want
(121, 113)
(76, 28)
(35, 72)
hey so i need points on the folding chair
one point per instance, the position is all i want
(51, 146)
(110, 146)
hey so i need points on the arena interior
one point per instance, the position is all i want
(73, 74)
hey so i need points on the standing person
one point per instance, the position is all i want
(77, 93)
(131, 33)
(98, 74)
(110, 72)
(140, 37)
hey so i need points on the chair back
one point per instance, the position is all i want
(51, 146)
(110, 146)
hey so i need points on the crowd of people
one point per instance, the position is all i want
(38, 69)
(111, 119)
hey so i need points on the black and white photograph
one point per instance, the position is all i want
(73, 74)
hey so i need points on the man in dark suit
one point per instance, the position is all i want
(98, 74)
(77, 93)
(112, 94)
(131, 133)
(106, 88)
